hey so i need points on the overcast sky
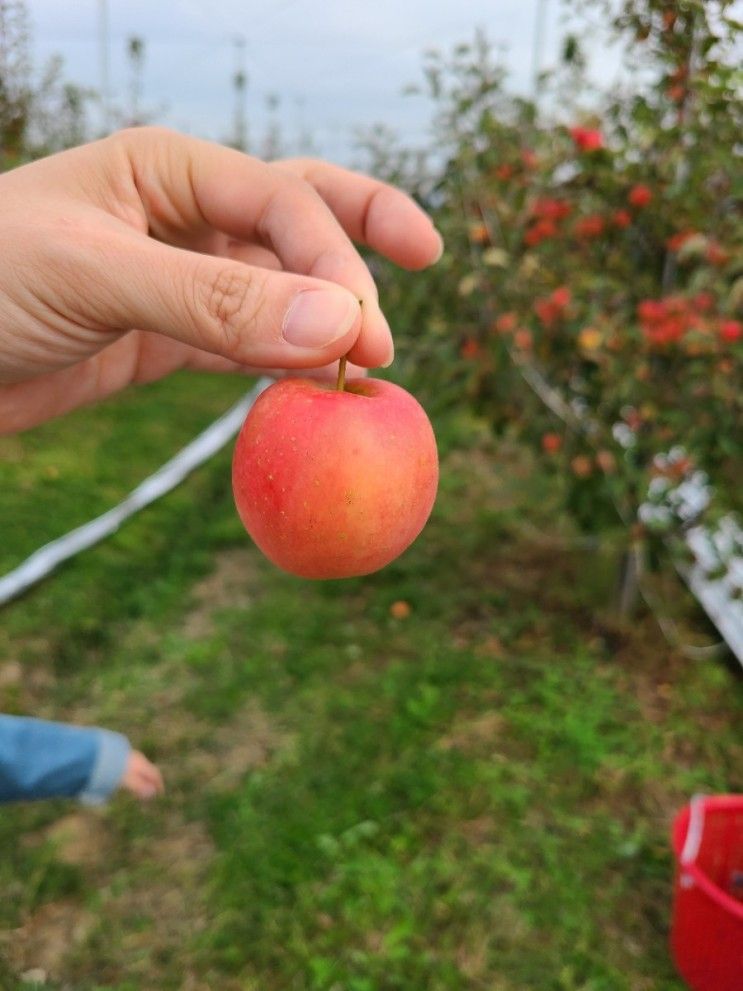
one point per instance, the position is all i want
(337, 65)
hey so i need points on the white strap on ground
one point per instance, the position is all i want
(172, 473)
(719, 597)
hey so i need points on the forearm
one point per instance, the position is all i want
(40, 759)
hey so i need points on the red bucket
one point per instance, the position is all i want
(707, 926)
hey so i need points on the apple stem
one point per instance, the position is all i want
(341, 383)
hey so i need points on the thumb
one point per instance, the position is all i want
(248, 314)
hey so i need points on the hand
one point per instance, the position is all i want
(148, 251)
(141, 777)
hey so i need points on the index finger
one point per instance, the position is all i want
(373, 213)
(187, 186)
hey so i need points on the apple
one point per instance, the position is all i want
(333, 481)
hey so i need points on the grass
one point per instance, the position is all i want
(475, 796)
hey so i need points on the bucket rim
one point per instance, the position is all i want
(705, 803)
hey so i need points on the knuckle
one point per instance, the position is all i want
(149, 134)
(290, 185)
(229, 303)
(309, 168)
(296, 166)
(292, 195)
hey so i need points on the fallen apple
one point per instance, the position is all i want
(334, 481)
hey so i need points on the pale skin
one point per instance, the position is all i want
(131, 257)
(141, 777)
(128, 258)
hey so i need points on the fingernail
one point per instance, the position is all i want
(390, 354)
(317, 317)
(391, 351)
(440, 252)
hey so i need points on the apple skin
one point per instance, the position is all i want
(334, 483)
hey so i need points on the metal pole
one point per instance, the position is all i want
(536, 58)
(103, 45)
(240, 83)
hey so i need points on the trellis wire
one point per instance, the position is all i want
(43, 561)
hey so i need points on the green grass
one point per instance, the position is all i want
(476, 796)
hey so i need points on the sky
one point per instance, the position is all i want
(338, 66)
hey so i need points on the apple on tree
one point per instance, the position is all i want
(335, 481)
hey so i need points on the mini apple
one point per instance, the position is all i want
(333, 481)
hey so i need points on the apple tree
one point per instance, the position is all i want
(590, 297)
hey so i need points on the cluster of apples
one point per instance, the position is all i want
(333, 481)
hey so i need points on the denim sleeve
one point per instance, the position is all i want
(40, 759)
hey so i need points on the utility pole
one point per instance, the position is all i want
(240, 86)
(272, 142)
(305, 144)
(536, 56)
(103, 64)
(135, 53)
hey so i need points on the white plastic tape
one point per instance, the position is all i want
(719, 597)
(694, 831)
(172, 473)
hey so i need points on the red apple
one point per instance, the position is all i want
(330, 482)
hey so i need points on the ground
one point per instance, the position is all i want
(477, 794)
